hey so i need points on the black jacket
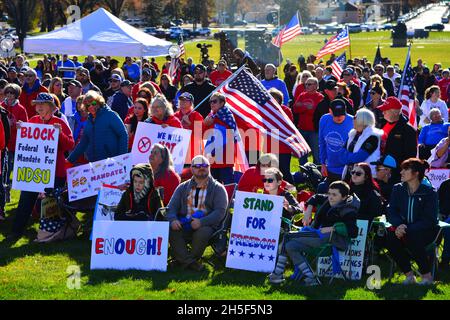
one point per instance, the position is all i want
(418, 211)
(327, 216)
(6, 127)
(322, 108)
(444, 199)
(371, 204)
(388, 86)
(200, 92)
(401, 144)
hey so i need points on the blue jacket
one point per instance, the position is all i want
(279, 85)
(418, 211)
(432, 133)
(332, 142)
(120, 104)
(103, 138)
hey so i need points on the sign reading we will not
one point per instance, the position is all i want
(35, 157)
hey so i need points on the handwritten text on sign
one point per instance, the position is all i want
(126, 245)
(86, 180)
(35, 157)
(255, 230)
(351, 260)
(438, 176)
(175, 139)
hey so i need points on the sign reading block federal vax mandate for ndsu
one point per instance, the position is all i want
(35, 157)
(175, 139)
(255, 230)
(124, 245)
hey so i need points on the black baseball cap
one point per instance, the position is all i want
(200, 67)
(330, 85)
(337, 107)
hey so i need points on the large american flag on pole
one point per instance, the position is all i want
(289, 32)
(338, 66)
(337, 42)
(407, 92)
(248, 99)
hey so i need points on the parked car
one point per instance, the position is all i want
(178, 22)
(156, 32)
(202, 32)
(329, 28)
(387, 26)
(135, 22)
(354, 27)
(435, 26)
(241, 23)
(168, 24)
(369, 27)
(313, 26)
(444, 19)
(306, 30)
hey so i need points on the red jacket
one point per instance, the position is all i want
(251, 181)
(171, 121)
(15, 113)
(196, 146)
(305, 105)
(169, 181)
(26, 99)
(65, 143)
(217, 78)
(282, 147)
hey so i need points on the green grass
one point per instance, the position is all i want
(39, 271)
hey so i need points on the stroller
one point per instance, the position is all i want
(58, 219)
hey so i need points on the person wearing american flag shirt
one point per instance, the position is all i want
(221, 120)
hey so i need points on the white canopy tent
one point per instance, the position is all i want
(99, 33)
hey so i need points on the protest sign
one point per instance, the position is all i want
(175, 139)
(438, 176)
(124, 245)
(35, 157)
(107, 201)
(255, 230)
(86, 180)
(351, 260)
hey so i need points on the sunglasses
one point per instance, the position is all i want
(199, 72)
(356, 173)
(93, 103)
(214, 101)
(309, 84)
(345, 74)
(11, 92)
(202, 165)
(268, 180)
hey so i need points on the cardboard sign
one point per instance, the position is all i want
(86, 180)
(351, 260)
(35, 157)
(107, 201)
(124, 245)
(438, 176)
(255, 231)
(49, 208)
(175, 139)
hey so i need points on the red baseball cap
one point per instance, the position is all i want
(391, 103)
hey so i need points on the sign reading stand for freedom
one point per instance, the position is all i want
(35, 157)
(255, 230)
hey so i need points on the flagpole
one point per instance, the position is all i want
(350, 42)
(408, 57)
(221, 85)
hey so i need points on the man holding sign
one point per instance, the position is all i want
(45, 107)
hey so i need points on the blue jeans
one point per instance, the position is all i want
(446, 250)
(312, 138)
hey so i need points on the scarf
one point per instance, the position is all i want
(138, 196)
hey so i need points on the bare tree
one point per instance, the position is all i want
(115, 6)
(19, 11)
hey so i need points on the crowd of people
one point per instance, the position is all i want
(373, 162)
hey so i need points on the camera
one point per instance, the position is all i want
(204, 52)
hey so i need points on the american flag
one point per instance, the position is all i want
(175, 62)
(248, 99)
(338, 66)
(337, 42)
(407, 92)
(289, 32)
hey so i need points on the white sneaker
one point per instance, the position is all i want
(275, 278)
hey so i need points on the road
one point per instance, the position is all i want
(433, 15)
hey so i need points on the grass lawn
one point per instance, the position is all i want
(39, 271)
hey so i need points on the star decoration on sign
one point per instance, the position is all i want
(251, 255)
(232, 252)
(271, 257)
(261, 257)
(241, 254)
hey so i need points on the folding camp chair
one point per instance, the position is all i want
(219, 239)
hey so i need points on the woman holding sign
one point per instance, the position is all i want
(140, 113)
(162, 113)
(45, 108)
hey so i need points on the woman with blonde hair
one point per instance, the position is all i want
(161, 112)
(167, 88)
(299, 85)
(56, 87)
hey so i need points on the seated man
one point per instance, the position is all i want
(439, 155)
(432, 133)
(141, 200)
(195, 212)
(338, 207)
